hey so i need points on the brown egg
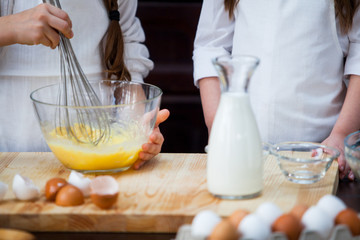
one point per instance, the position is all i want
(224, 230)
(69, 195)
(236, 217)
(289, 225)
(104, 191)
(53, 186)
(350, 218)
(299, 210)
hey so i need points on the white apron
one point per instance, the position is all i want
(301, 63)
(25, 68)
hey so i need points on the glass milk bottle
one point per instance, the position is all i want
(235, 161)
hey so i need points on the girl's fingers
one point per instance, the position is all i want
(44, 41)
(162, 116)
(351, 176)
(156, 137)
(52, 36)
(138, 164)
(347, 170)
(61, 25)
(343, 167)
(57, 12)
(143, 158)
(342, 164)
(151, 148)
(60, 21)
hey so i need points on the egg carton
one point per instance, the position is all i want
(339, 232)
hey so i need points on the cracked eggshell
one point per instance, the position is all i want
(203, 223)
(104, 191)
(78, 180)
(3, 189)
(24, 188)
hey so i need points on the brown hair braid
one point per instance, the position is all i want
(230, 6)
(114, 47)
(344, 10)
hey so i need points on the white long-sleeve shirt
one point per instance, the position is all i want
(25, 68)
(297, 91)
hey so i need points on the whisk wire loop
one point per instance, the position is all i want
(90, 123)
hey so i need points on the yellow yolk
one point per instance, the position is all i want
(120, 151)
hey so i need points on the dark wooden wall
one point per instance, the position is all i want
(170, 28)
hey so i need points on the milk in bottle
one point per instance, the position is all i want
(235, 161)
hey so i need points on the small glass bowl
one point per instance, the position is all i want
(304, 162)
(352, 152)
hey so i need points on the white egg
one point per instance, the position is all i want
(203, 223)
(254, 227)
(331, 204)
(3, 190)
(78, 180)
(317, 220)
(24, 188)
(268, 212)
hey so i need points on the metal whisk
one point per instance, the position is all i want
(84, 121)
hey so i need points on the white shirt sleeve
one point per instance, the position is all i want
(214, 37)
(136, 54)
(352, 64)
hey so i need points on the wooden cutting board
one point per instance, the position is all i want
(166, 193)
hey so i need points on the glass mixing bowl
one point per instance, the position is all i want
(303, 162)
(120, 126)
(352, 152)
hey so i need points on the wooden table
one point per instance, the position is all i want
(348, 191)
(172, 189)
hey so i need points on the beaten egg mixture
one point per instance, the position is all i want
(121, 150)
